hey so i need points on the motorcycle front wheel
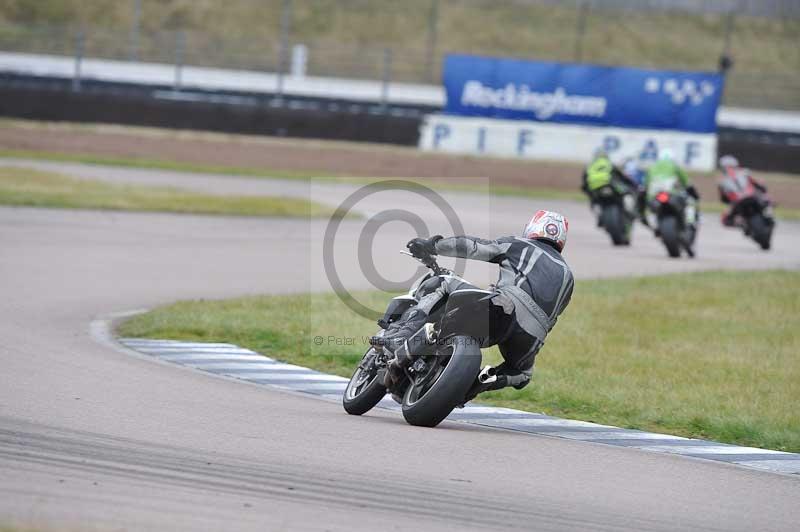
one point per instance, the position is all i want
(365, 389)
(443, 383)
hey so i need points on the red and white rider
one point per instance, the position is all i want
(735, 183)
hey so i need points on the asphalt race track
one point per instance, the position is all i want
(93, 438)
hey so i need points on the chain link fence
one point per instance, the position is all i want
(405, 42)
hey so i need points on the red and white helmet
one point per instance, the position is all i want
(728, 161)
(550, 226)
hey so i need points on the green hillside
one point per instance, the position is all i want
(348, 37)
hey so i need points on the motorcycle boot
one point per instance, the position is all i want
(399, 331)
(406, 348)
(490, 379)
(629, 205)
(597, 210)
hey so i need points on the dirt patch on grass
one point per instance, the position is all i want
(326, 158)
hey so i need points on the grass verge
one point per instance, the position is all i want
(179, 166)
(161, 164)
(711, 355)
(23, 187)
(235, 33)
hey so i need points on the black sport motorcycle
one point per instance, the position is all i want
(670, 207)
(441, 373)
(616, 216)
(757, 220)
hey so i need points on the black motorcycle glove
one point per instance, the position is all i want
(423, 247)
(692, 192)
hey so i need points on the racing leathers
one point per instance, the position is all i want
(734, 185)
(666, 175)
(533, 289)
(602, 173)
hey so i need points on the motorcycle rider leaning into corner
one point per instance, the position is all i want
(733, 185)
(533, 289)
(602, 172)
(663, 172)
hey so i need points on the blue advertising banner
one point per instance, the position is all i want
(581, 94)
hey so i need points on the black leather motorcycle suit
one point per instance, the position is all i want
(534, 287)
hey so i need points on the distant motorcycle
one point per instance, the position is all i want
(676, 216)
(615, 206)
(440, 376)
(754, 210)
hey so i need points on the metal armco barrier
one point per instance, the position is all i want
(53, 99)
(180, 110)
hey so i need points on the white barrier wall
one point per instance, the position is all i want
(561, 142)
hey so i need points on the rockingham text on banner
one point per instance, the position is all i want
(543, 110)
(581, 94)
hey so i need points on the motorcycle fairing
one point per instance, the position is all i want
(396, 307)
(472, 306)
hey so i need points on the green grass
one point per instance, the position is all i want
(165, 164)
(180, 166)
(235, 32)
(347, 38)
(712, 355)
(24, 187)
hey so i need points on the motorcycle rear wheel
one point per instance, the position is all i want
(614, 222)
(668, 227)
(365, 389)
(431, 397)
(761, 231)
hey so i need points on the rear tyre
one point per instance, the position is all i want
(690, 234)
(365, 389)
(761, 230)
(614, 221)
(431, 397)
(668, 227)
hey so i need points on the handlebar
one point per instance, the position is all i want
(429, 262)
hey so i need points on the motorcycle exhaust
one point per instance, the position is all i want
(487, 375)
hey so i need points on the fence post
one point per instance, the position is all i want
(583, 12)
(283, 48)
(299, 62)
(433, 37)
(79, 50)
(729, 24)
(180, 50)
(135, 30)
(386, 79)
